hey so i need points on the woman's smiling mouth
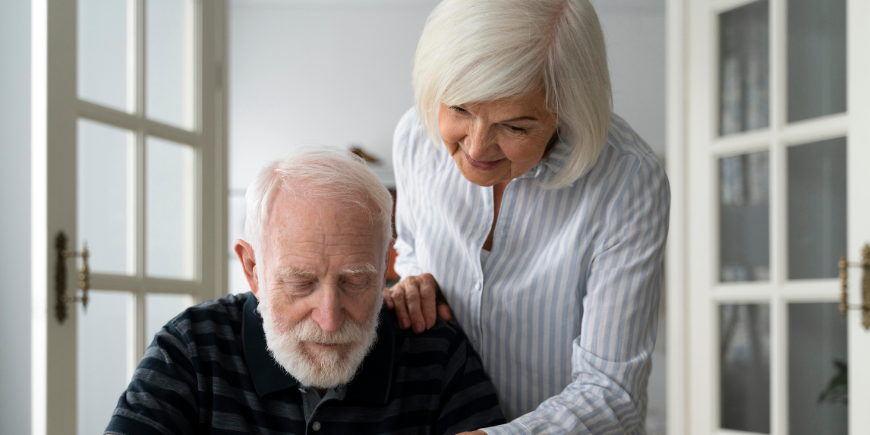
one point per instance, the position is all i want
(481, 164)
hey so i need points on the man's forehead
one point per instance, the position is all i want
(289, 210)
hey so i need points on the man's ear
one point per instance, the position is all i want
(249, 264)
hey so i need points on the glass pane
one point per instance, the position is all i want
(816, 208)
(105, 55)
(106, 197)
(743, 68)
(744, 383)
(817, 357)
(105, 352)
(160, 309)
(816, 58)
(170, 63)
(744, 218)
(169, 209)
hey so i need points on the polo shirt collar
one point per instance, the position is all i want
(371, 383)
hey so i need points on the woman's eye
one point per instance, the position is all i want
(516, 129)
(458, 109)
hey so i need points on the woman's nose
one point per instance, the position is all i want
(477, 142)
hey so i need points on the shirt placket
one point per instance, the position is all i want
(502, 228)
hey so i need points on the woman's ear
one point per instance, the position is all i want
(249, 264)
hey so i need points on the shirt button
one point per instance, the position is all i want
(477, 286)
(315, 426)
(502, 234)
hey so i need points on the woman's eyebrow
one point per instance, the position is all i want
(522, 118)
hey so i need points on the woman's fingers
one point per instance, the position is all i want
(398, 295)
(418, 302)
(388, 299)
(428, 299)
(414, 298)
(444, 311)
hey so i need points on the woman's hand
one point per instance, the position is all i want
(417, 300)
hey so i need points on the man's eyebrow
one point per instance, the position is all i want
(367, 268)
(295, 271)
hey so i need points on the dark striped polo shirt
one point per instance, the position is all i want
(208, 371)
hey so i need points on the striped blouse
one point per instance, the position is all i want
(563, 309)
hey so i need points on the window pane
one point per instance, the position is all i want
(744, 218)
(817, 357)
(105, 352)
(744, 383)
(816, 208)
(106, 197)
(743, 68)
(170, 60)
(161, 308)
(816, 58)
(169, 209)
(105, 67)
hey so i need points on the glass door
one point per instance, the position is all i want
(129, 165)
(775, 139)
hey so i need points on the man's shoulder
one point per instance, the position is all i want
(443, 338)
(209, 316)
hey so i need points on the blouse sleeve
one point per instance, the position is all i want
(404, 142)
(611, 358)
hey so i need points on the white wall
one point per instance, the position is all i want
(15, 216)
(309, 73)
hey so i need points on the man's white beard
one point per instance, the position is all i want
(318, 367)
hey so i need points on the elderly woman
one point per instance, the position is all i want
(535, 212)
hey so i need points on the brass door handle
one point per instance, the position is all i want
(60, 276)
(865, 285)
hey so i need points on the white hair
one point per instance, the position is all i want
(318, 173)
(487, 50)
(312, 368)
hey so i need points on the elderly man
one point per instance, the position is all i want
(310, 349)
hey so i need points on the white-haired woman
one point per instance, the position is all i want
(536, 213)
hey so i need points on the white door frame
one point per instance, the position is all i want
(55, 111)
(690, 75)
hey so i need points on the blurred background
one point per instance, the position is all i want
(155, 128)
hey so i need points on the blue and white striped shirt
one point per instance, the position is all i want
(563, 310)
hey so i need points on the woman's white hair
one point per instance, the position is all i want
(321, 173)
(487, 50)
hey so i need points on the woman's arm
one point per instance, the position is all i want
(611, 357)
(417, 298)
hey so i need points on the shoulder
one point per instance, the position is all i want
(442, 339)
(222, 316)
(623, 143)
(625, 165)
(411, 142)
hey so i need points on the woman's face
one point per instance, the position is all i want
(497, 141)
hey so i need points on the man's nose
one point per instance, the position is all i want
(329, 313)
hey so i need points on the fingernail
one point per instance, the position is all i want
(418, 327)
(405, 323)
